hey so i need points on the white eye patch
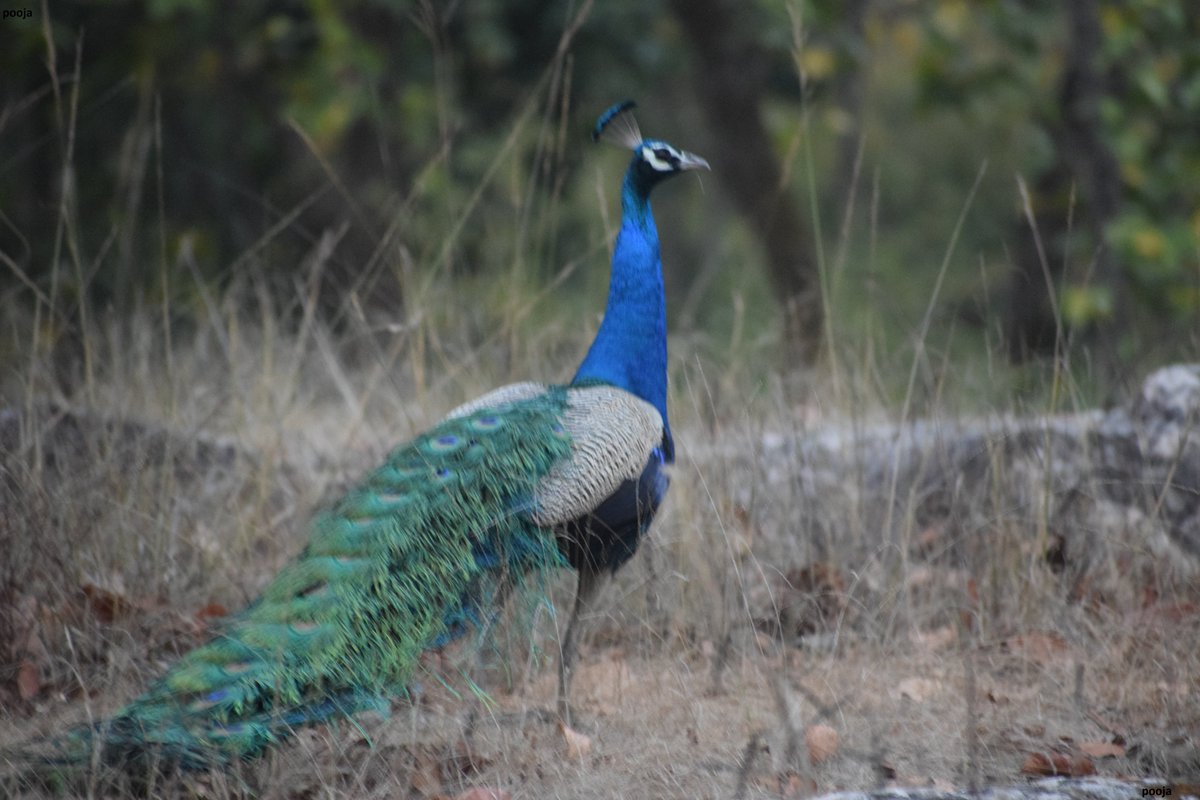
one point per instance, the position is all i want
(660, 158)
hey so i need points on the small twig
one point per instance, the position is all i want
(878, 759)
(824, 710)
(720, 661)
(791, 752)
(1104, 724)
(1080, 703)
(748, 757)
(972, 723)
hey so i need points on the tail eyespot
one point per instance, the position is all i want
(446, 443)
(487, 422)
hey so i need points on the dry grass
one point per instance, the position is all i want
(741, 623)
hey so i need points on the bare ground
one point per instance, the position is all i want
(672, 724)
(732, 658)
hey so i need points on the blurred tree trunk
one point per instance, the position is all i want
(730, 77)
(1085, 159)
(847, 92)
(1092, 162)
(1030, 328)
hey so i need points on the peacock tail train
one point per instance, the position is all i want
(399, 565)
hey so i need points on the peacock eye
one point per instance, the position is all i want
(664, 154)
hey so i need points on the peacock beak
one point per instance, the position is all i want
(692, 161)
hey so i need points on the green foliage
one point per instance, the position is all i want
(247, 110)
(1082, 305)
(1153, 52)
(377, 147)
(1010, 58)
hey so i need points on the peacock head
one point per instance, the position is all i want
(653, 159)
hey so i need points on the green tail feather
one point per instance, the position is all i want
(397, 566)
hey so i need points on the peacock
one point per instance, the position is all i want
(524, 479)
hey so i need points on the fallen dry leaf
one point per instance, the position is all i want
(935, 639)
(106, 604)
(211, 611)
(26, 647)
(1102, 749)
(822, 742)
(771, 784)
(919, 576)
(29, 680)
(425, 774)
(1051, 764)
(1160, 614)
(917, 689)
(1040, 647)
(793, 785)
(578, 745)
(464, 761)
(929, 539)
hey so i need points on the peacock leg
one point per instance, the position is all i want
(590, 582)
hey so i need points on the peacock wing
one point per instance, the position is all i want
(613, 433)
(498, 398)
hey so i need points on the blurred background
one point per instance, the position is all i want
(1003, 188)
(247, 246)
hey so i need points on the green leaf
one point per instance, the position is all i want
(1085, 304)
(1152, 87)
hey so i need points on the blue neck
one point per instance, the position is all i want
(630, 349)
